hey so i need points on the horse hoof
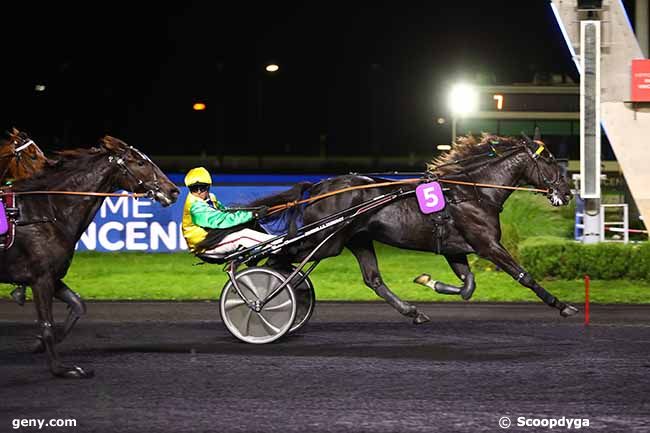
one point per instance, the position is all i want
(421, 318)
(38, 346)
(568, 310)
(468, 288)
(18, 295)
(74, 372)
(466, 294)
(423, 279)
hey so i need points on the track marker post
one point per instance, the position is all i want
(587, 280)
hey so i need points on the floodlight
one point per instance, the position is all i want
(463, 99)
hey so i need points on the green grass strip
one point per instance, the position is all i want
(142, 276)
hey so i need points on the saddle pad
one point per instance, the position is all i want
(4, 226)
(279, 224)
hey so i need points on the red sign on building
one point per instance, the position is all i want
(640, 80)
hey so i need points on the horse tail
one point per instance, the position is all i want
(293, 194)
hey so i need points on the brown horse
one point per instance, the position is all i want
(20, 158)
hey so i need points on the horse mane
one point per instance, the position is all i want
(71, 154)
(466, 147)
(67, 162)
(59, 169)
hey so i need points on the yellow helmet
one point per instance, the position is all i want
(198, 175)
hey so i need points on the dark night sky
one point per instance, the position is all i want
(366, 76)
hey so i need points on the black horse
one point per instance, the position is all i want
(51, 225)
(470, 223)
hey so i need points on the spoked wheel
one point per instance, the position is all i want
(275, 318)
(305, 301)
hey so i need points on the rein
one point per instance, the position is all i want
(488, 185)
(281, 207)
(493, 152)
(79, 193)
(119, 161)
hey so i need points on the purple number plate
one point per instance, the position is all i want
(4, 227)
(430, 197)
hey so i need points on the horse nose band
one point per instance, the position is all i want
(23, 146)
(551, 185)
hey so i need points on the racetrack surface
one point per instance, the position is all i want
(356, 367)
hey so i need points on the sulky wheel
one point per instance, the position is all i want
(305, 301)
(275, 318)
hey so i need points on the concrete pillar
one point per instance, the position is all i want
(641, 18)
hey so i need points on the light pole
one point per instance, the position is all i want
(463, 100)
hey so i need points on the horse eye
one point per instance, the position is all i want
(141, 163)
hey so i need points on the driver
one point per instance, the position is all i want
(229, 229)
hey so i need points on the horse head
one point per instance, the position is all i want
(545, 172)
(138, 173)
(20, 157)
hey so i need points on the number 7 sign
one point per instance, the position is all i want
(430, 198)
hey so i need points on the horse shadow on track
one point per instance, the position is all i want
(427, 352)
(349, 340)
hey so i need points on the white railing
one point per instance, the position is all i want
(615, 226)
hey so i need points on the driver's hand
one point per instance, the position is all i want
(261, 212)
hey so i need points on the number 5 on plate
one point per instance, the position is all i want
(430, 198)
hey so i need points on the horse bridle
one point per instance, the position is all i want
(120, 162)
(535, 156)
(549, 184)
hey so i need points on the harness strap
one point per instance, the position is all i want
(281, 207)
(488, 185)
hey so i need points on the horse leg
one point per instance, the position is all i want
(460, 267)
(76, 309)
(496, 253)
(43, 292)
(18, 295)
(364, 252)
